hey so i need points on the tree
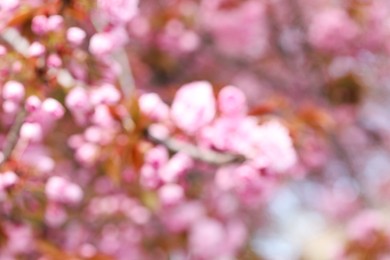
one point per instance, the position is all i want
(169, 129)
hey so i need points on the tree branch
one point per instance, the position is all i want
(197, 153)
(13, 136)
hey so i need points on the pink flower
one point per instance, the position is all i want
(59, 189)
(229, 134)
(105, 94)
(152, 106)
(8, 179)
(232, 101)
(149, 177)
(55, 22)
(53, 108)
(75, 35)
(39, 24)
(13, 91)
(103, 117)
(118, 11)
(33, 103)
(95, 134)
(193, 106)
(104, 43)
(248, 183)
(42, 24)
(170, 194)
(100, 44)
(273, 147)
(31, 132)
(157, 157)
(87, 154)
(10, 107)
(54, 61)
(36, 49)
(77, 100)
(176, 167)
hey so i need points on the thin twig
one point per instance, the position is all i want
(13, 136)
(197, 153)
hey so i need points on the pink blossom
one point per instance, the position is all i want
(189, 41)
(10, 107)
(157, 157)
(176, 167)
(193, 106)
(54, 61)
(101, 44)
(94, 134)
(36, 49)
(8, 179)
(42, 24)
(232, 101)
(52, 107)
(75, 35)
(33, 103)
(102, 116)
(118, 11)
(170, 194)
(55, 22)
(61, 190)
(274, 148)
(225, 177)
(229, 134)
(105, 94)
(77, 100)
(13, 91)
(31, 132)
(39, 24)
(248, 183)
(152, 106)
(87, 154)
(149, 177)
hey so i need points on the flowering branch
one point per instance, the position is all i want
(197, 153)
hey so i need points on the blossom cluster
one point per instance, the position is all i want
(89, 170)
(189, 129)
